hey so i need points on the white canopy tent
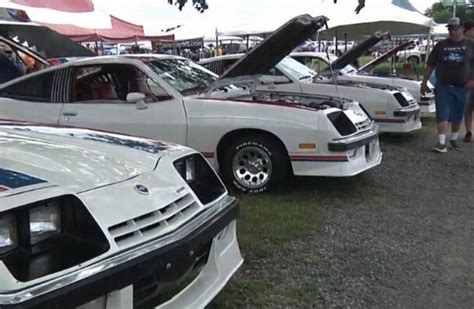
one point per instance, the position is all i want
(439, 30)
(378, 15)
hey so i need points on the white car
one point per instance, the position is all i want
(101, 220)
(394, 109)
(415, 55)
(348, 72)
(256, 139)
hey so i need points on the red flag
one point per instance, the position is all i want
(76, 6)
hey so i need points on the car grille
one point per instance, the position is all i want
(155, 223)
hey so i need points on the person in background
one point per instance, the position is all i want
(469, 33)
(9, 66)
(452, 59)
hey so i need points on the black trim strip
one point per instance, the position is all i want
(338, 146)
(405, 113)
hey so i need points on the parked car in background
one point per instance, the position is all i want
(256, 138)
(343, 68)
(414, 55)
(393, 108)
(97, 219)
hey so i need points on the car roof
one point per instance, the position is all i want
(223, 57)
(309, 54)
(118, 59)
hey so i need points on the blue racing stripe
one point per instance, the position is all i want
(15, 180)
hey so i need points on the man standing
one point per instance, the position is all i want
(469, 33)
(452, 59)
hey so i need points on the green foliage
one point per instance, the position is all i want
(442, 14)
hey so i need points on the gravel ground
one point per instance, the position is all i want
(408, 242)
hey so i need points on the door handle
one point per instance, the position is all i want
(70, 114)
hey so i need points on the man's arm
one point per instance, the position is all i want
(430, 66)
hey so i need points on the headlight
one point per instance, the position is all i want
(45, 222)
(8, 233)
(187, 169)
(48, 236)
(200, 176)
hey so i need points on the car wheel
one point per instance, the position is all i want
(255, 164)
(413, 60)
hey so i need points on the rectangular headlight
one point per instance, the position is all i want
(8, 233)
(45, 222)
(190, 169)
(200, 176)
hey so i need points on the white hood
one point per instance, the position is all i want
(79, 159)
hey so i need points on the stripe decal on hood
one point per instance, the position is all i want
(14, 180)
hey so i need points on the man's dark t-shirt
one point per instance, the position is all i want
(452, 61)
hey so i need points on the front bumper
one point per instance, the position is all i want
(345, 144)
(405, 120)
(367, 157)
(211, 235)
(427, 106)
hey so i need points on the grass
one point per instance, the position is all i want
(403, 69)
(269, 222)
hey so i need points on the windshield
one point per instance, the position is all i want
(296, 69)
(184, 75)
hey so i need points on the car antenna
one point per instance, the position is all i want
(333, 75)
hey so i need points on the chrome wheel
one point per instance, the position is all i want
(252, 167)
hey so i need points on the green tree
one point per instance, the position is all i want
(442, 14)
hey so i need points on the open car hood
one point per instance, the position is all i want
(17, 26)
(47, 42)
(372, 64)
(278, 45)
(359, 50)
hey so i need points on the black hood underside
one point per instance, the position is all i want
(277, 46)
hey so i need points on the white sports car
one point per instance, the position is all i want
(256, 138)
(393, 108)
(345, 70)
(101, 220)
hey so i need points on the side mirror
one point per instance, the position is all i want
(138, 99)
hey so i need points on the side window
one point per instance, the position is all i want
(316, 64)
(35, 89)
(111, 83)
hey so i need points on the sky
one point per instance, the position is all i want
(158, 14)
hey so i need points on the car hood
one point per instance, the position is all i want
(276, 47)
(372, 64)
(78, 159)
(47, 42)
(357, 51)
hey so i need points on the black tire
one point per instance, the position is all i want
(266, 147)
(413, 60)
